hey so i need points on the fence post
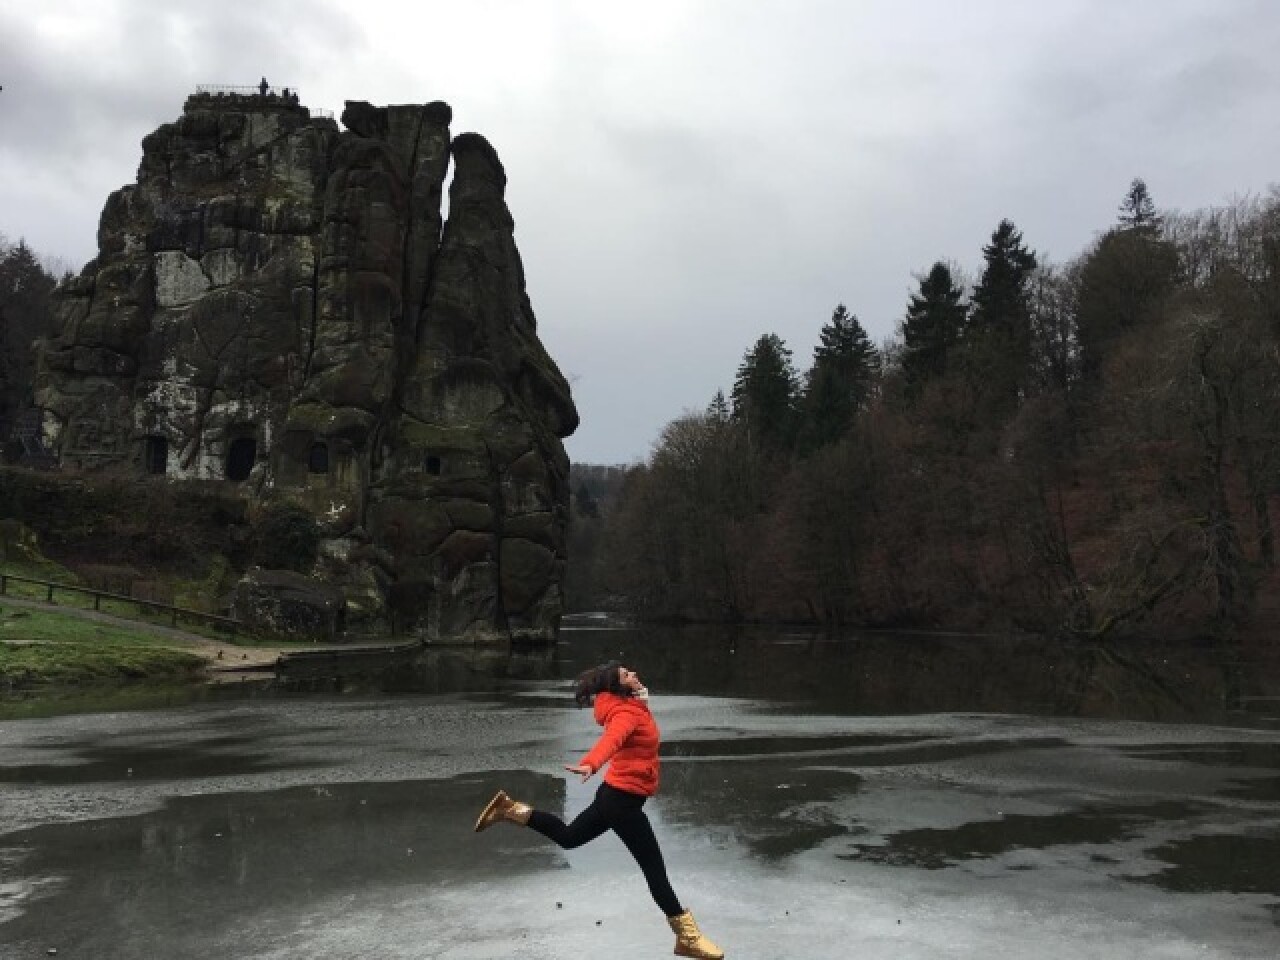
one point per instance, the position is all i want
(49, 594)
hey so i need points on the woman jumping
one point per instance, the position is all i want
(630, 740)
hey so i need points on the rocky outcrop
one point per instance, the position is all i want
(281, 603)
(278, 304)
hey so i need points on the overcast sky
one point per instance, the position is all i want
(686, 176)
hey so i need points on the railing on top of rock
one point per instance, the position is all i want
(256, 90)
(286, 95)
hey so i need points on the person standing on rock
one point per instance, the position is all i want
(630, 740)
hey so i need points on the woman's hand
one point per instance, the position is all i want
(583, 771)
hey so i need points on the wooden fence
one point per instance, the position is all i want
(230, 624)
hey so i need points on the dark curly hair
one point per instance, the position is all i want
(601, 679)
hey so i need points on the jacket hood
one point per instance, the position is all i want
(607, 703)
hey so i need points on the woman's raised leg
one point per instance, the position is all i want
(586, 826)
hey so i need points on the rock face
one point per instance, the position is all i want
(288, 604)
(280, 305)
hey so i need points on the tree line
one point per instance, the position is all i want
(1090, 449)
(26, 287)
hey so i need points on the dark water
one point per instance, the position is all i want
(867, 674)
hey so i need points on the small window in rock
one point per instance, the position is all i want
(240, 458)
(156, 455)
(433, 465)
(318, 458)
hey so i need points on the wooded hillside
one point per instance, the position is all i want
(1089, 448)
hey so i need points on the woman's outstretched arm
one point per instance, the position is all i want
(620, 725)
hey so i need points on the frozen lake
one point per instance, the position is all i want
(1042, 809)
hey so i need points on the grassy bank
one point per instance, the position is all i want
(48, 652)
(127, 609)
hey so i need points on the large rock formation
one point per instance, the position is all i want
(279, 304)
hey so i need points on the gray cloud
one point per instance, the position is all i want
(688, 175)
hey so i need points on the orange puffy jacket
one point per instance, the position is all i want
(630, 740)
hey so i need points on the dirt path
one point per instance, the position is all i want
(223, 657)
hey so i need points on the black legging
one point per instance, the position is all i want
(623, 813)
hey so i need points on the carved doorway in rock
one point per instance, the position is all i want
(318, 457)
(155, 455)
(241, 455)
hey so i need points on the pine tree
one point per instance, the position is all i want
(1000, 298)
(25, 314)
(1124, 279)
(999, 328)
(1138, 210)
(932, 327)
(718, 409)
(841, 380)
(764, 394)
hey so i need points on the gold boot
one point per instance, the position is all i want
(502, 807)
(689, 939)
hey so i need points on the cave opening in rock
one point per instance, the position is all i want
(318, 458)
(155, 455)
(240, 458)
(434, 466)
